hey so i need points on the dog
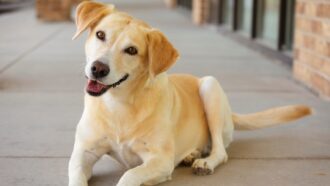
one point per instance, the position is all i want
(147, 120)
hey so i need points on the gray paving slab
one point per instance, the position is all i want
(20, 34)
(39, 124)
(259, 173)
(237, 66)
(33, 171)
(48, 78)
(236, 172)
(107, 172)
(238, 82)
(52, 172)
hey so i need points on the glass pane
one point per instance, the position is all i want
(245, 8)
(227, 9)
(289, 22)
(268, 21)
(185, 3)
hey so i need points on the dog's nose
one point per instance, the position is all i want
(99, 69)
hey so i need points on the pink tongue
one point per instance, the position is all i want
(94, 86)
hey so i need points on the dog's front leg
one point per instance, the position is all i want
(81, 164)
(153, 171)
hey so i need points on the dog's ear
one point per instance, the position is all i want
(161, 53)
(88, 13)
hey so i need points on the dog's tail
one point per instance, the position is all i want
(270, 117)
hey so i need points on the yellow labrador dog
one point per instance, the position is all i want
(145, 119)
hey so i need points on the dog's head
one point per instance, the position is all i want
(121, 51)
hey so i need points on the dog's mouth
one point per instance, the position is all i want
(95, 88)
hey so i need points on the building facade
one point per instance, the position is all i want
(295, 31)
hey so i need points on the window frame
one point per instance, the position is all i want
(278, 49)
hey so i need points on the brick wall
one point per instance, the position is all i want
(171, 3)
(53, 10)
(312, 45)
(200, 11)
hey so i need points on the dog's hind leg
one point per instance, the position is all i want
(220, 124)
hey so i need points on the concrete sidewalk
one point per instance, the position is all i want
(41, 101)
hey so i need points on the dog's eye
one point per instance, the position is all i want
(131, 51)
(100, 35)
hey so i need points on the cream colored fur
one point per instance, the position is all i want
(153, 121)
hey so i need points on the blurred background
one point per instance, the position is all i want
(265, 53)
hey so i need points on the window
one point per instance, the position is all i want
(185, 3)
(244, 16)
(266, 24)
(227, 13)
(268, 16)
(289, 25)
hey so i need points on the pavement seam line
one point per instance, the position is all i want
(30, 50)
(34, 157)
(282, 158)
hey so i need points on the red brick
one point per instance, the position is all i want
(314, 43)
(200, 11)
(312, 78)
(298, 38)
(326, 29)
(310, 8)
(314, 61)
(53, 10)
(301, 72)
(310, 25)
(171, 3)
(296, 53)
(321, 84)
(300, 7)
(316, 26)
(309, 41)
(322, 47)
(302, 24)
(323, 10)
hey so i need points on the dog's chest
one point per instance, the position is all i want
(124, 153)
(123, 128)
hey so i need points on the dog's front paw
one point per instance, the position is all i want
(201, 167)
(206, 166)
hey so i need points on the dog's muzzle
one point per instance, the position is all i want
(96, 88)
